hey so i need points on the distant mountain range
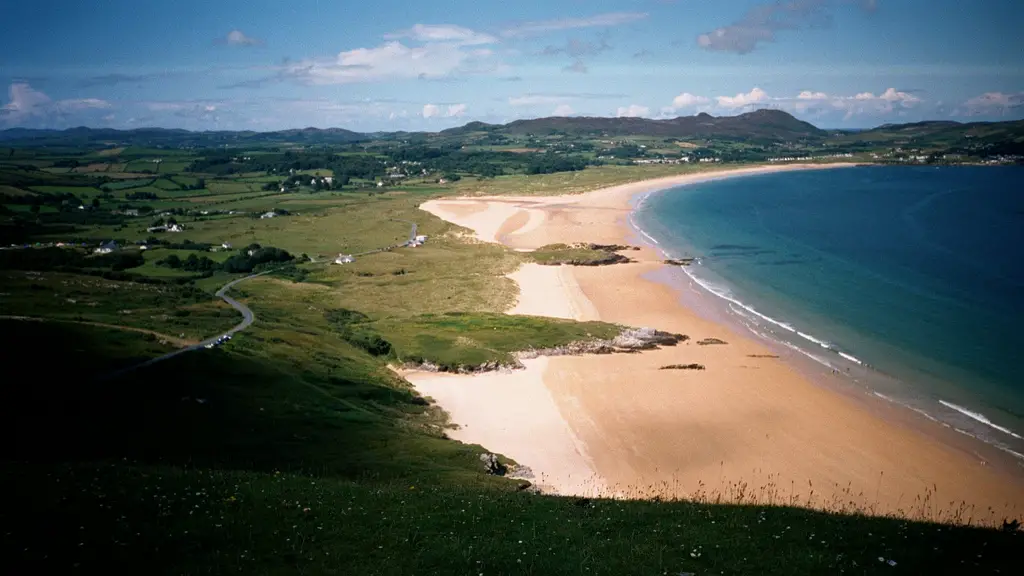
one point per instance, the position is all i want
(761, 125)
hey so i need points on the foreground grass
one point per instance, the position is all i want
(159, 520)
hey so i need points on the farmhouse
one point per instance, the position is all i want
(270, 214)
(106, 248)
(421, 239)
(344, 259)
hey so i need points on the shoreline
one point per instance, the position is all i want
(724, 431)
(858, 374)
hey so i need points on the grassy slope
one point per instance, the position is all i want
(208, 462)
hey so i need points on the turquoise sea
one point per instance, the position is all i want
(908, 280)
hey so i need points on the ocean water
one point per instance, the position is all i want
(907, 280)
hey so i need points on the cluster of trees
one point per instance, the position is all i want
(141, 196)
(192, 264)
(549, 164)
(344, 166)
(68, 260)
(246, 260)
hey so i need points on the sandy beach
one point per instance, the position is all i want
(749, 427)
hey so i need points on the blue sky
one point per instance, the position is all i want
(408, 65)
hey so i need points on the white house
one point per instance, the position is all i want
(268, 215)
(421, 239)
(380, 184)
(106, 248)
(226, 245)
(344, 259)
(175, 228)
(329, 179)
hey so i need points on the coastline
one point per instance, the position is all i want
(752, 426)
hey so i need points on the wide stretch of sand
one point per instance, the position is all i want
(749, 425)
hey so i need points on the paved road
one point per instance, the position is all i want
(247, 316)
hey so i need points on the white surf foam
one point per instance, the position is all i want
(850, 358)
(979, 417)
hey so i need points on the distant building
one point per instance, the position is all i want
(268, 215)
(106, 248)
(131, 212)
(226, 245)
(175, 228)
(421, 239)
(329, 179)
(344, 259)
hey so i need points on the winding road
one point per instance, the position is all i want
(247, 316)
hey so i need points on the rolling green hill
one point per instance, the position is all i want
(764, 125)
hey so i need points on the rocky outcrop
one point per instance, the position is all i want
(609, 247)
(609, 259)
(708, 341)
(682, 367)
(628, 341)
(679, 261)
(492, 465)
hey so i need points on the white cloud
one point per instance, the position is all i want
(238, 38)
(687, 100)
(893, 95)
(562, 110)
(992, 104)
(23, 99)
(632, 110)
(806, 102)
(444, 33)
(755, 96)
(545, 26)
(762, 22)
(435, 111)
(392, 60)
(431, 111)
(26, 104)
(808, 95)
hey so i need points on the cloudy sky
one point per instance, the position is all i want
(411, 65)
